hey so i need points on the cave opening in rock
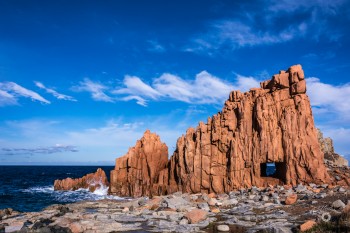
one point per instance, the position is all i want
(267, 169)
(274, 169)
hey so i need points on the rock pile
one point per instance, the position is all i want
(271, 124)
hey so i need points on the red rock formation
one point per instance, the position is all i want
(136, 173)
(271, 124)
(337, 165)
(331, 158)
(91, 181)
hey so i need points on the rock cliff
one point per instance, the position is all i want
(137, 172)
(90, 181)
(233, 149)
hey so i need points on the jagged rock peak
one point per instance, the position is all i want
(136, 172)
(292, 79)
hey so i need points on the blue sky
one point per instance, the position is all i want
(80, 81)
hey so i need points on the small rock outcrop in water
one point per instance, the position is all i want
(137, 172)
(271, 124)
(90, 181)
(330, 156)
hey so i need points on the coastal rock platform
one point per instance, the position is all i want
(245, 210)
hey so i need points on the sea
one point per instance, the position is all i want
(30, 188)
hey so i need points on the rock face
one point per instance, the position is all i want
(136, 173)
(330, 156)
(271, 124)
(91, 181)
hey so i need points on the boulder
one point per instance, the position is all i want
(291, 199)
(75, 227)
(90, 181)
(197, 215)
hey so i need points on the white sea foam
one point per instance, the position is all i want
(39, 189)
(101, 191)
(73, 196)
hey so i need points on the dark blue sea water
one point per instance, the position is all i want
(30, 188)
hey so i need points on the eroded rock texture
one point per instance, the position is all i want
(337, 165)
(90, 181)
(136, 173)
(330, 156)
(271, 124)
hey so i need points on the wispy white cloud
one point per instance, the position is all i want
(329, 7)
(331, 110)
(96, 89)
(155, 46)
(95, 141)
(54, 93)
(139, 100)
(134, 85)
(174, 87)
(7, 99)
(204, 89)
(327, 98)
(10, 92)
(269, 26)
(236, 34)
(38, 150)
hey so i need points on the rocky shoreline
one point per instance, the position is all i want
(273, 209)
(203, 186)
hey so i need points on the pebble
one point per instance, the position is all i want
(223, 228)
(183, 221)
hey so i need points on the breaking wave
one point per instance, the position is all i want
(73, 196)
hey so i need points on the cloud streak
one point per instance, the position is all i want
(204, 89)
(235, 34)
(96, 89)
(155, 46)
(10, 92)
(7, 99)
(38, 150)
(327, 98)
(311, 19)
(54, 93)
